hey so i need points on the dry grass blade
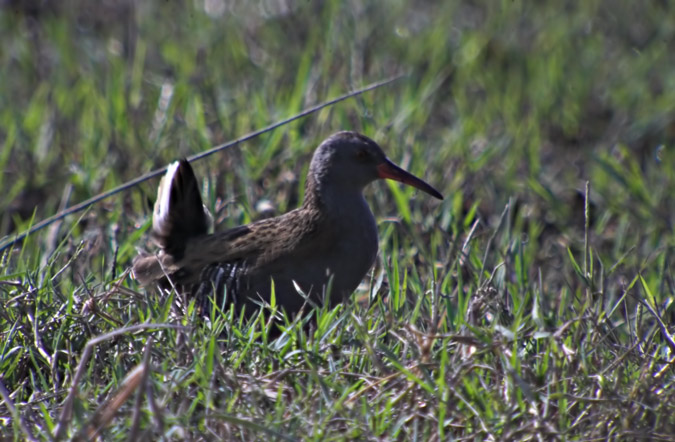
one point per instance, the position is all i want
(136, 419)
(106, 411)
(12, 409)
(67, 409)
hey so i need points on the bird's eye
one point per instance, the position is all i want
(361, 155)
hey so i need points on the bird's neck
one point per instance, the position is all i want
(332, 199)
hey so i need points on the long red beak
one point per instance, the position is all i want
(387, 169)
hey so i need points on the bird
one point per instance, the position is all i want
(318, 252)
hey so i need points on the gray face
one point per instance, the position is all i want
(348, 160)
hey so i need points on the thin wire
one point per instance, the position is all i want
(155, 173)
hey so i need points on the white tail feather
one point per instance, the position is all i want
(160, 218)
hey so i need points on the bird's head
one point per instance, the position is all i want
(350, 161)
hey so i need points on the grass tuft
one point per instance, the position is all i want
(534, 302)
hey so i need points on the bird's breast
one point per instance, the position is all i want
(355, 248)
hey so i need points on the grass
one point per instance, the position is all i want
(534, 303)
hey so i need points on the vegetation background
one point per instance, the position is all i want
(534, 303)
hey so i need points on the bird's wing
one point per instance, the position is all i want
(221, 259)
(255, 245)
(186, 268)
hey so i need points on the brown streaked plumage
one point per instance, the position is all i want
(331, 237)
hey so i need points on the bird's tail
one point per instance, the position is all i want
(179, 213)
(179, 216)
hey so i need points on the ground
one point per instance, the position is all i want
(534, 303)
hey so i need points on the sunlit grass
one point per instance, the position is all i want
(506, 312)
